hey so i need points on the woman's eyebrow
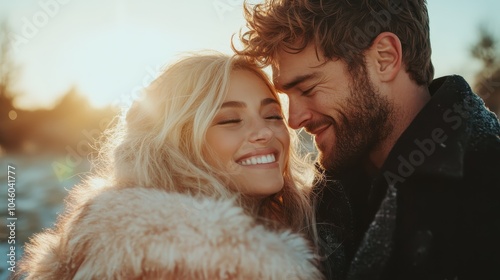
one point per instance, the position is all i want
(268, 101)
(239, 104)
(234, 104)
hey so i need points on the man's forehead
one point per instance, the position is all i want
(288, 65)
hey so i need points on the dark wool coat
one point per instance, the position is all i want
(433, 212)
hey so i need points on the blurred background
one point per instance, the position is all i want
(67, 67)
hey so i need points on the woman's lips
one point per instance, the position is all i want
(263, 158)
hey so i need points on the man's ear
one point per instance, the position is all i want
(386, 55)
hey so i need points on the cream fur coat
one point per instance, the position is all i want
(142, 233)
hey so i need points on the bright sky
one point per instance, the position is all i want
(109, 49)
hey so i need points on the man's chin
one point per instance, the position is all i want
(325, 161)
(336, 168)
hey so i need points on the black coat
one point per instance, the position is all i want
(433, 211)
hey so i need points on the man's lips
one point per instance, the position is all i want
(319, 132)
(316, 131)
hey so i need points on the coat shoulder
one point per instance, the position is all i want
(146, 233)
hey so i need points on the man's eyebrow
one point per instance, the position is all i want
(298, 80)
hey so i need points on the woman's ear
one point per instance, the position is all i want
(386, 55)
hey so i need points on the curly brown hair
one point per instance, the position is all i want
(340, 29)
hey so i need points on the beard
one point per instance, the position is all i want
(366, 120)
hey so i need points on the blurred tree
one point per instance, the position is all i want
(72, 101)
(487, 83)
(72, 123)
(6, 68)
(10, 136)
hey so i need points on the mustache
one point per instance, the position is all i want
(314, 125)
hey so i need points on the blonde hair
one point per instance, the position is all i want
(160, 142)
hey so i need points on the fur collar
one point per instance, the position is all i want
(142, 233)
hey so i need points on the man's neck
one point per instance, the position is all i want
(408, 102)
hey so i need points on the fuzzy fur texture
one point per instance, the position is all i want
(142, 233)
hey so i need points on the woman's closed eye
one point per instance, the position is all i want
(275, 117)
(229, 121)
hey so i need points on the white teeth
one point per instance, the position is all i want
(258, 160)
(270, 158)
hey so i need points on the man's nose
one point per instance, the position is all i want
(298, 114)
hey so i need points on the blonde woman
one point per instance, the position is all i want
(200, 180)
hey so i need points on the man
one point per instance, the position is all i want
(415, 162)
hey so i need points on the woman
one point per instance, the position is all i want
(198, 181)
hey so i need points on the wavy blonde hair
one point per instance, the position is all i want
(160, 142)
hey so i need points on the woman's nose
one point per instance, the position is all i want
(262, 133)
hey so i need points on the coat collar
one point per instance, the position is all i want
(435, 142)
